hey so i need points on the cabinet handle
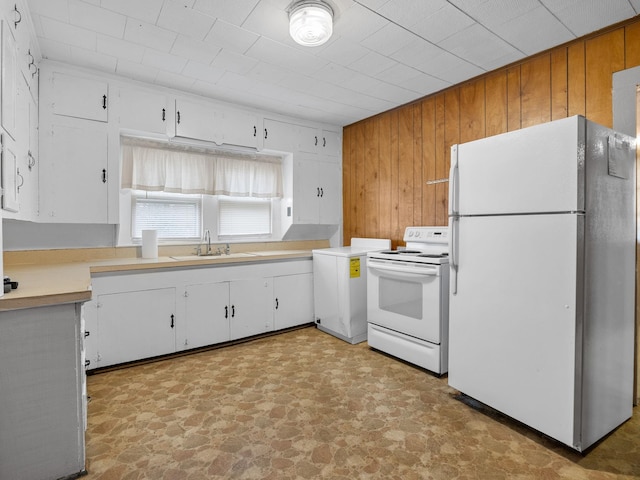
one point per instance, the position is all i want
(87, 333)
(324, 141)
(104, 102)
(87, 363)
(321, 192)
(21, 180)
(266, 133)
(255, 131)
(233, 311)
(316, 144)
(18, 16)
(178, 115)
(226, 311)
(104, 175)
(31, 160)
(277, 304)
(318, 191)
(163, 114)
(172, 320)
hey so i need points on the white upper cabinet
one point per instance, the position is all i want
(9, 80)
(279, 136)
(321, 142)
(144, 110)
(317, 192)
(236, 128)
(74, 173)
(194, 120)
(220, 126)
(9, 176)
(80, 97)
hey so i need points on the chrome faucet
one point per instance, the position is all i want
(207, 238)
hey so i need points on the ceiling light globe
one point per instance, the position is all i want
(311, 23)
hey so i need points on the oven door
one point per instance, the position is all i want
(405, 297)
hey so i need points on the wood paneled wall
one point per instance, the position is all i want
(395, 164)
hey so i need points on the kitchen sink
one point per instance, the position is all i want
(212, 257)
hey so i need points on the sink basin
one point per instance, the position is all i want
(212, 257)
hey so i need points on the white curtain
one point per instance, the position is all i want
(152, 167)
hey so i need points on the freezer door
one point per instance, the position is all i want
(534, 170)
(514, 317)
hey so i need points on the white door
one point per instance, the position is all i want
(236, 128)
(251, 308)
(533, 170)
(144, 110)
(512, 318)
(330, 204)
(136, 325)
(278, 136)
(194, 120)
(293, 300)
(80, 97)
(405, 298)
(74, 176)
(9, 80)
(207, 314)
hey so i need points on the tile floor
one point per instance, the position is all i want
(306, 405)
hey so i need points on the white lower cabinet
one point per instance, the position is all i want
(250, 306)
(134, 316)
(206, 320)
(293, 300)
(135, 325)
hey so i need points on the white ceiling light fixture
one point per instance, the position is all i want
(310, 22)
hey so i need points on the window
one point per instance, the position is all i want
(175, 216)
(243, 216)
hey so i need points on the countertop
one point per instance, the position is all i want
(44, 283)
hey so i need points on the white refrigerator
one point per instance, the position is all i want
(542, 258)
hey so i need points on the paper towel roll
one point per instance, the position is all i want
(149, 244)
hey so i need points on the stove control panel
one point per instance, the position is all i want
(426, 234)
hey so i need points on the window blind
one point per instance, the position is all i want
(174, 218)
(238, 216)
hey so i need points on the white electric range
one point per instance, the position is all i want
(408, 299)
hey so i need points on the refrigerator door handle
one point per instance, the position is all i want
(453, 255)
(453, 184)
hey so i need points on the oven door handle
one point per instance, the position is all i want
(404, 270)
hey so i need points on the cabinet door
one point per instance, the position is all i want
(279, 136)
(331, 143)
(308, 139)
(135, 325)
(9, 80)
(306, 192)
(73, 177)
(317, 192)
(330, 204)
(9, 175)
(293, 300)
(80, 97)
(143, 110)
(235, 128)
(194, 121)
(250, 305)
(207, 314)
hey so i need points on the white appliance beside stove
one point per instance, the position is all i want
(408, 299)
(340, 288)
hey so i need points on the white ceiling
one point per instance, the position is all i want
(383, 53)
